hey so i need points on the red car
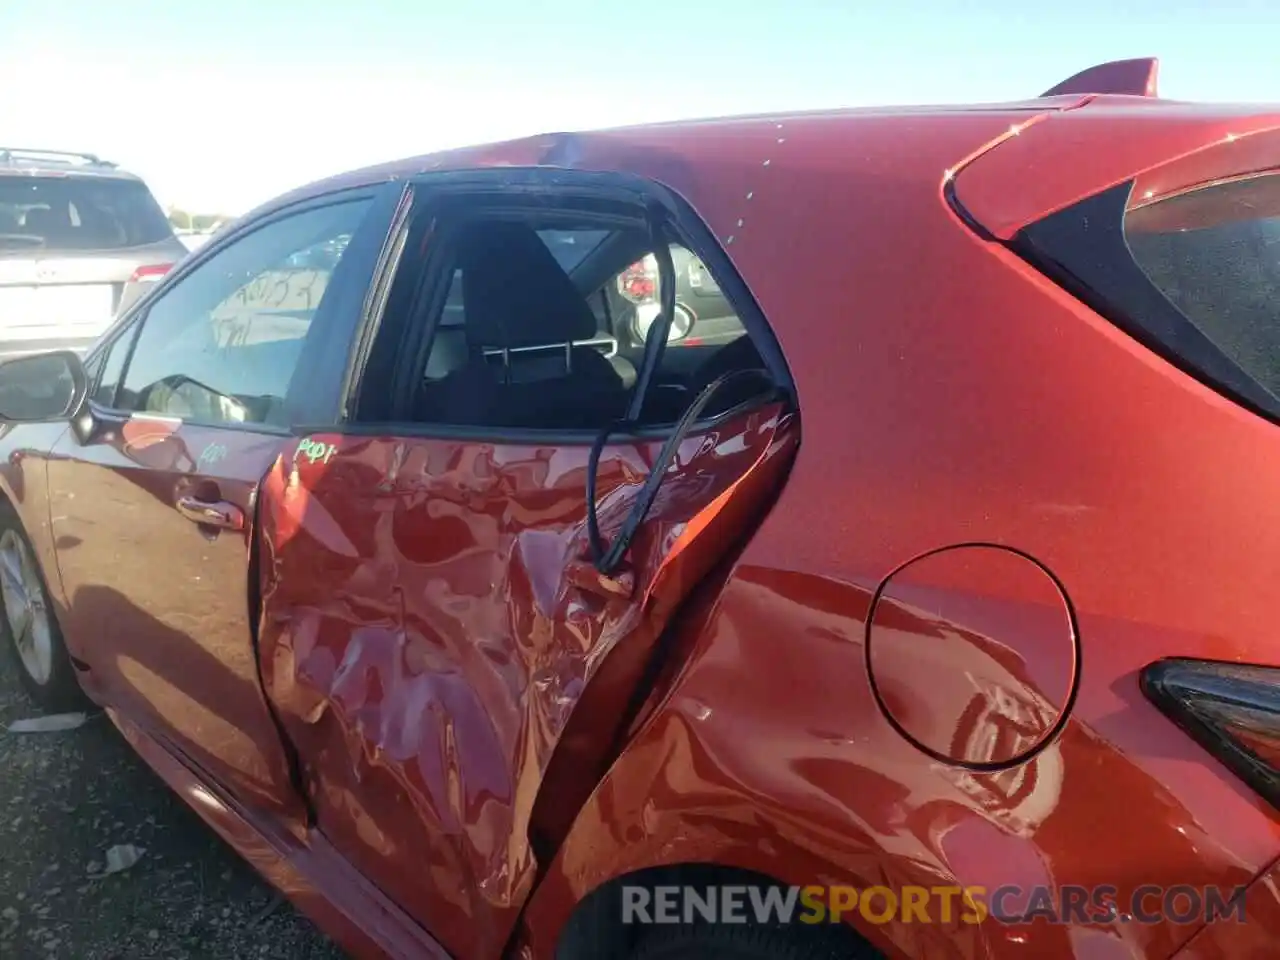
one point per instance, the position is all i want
(483, 635)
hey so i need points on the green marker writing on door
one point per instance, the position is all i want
(315, 450)
(210, 455)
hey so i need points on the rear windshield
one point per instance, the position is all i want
(77, 213)
(1215, 253)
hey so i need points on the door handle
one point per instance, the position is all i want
(223, 515)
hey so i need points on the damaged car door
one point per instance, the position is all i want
(153, 495)
(460, 596)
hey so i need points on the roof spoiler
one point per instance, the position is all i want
(1135, 78)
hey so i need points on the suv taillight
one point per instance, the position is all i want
(150, 272)
(639, 282)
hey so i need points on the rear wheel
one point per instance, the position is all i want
(720, 942)
(28, 627)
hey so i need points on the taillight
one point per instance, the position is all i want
(1230, 709)
(639, 282)
(150, 273)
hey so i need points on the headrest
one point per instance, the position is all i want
(515, 292)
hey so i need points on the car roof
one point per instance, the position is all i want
(699, 156)
(685, 141)
(552, 149)
(26, 161)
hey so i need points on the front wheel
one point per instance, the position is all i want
(28, 627)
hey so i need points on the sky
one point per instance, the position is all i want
(222, 104)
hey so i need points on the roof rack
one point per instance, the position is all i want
(9, 155)
(1135, 78)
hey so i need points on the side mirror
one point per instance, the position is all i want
(42, 387)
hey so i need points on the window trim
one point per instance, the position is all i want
(528, 437)
(311, 392)
(527, 188)
(103, 350)
(377, 292)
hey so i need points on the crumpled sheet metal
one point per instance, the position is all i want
(432, 625)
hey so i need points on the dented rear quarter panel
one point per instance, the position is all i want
(950, 395)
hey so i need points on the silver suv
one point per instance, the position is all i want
(80, 241)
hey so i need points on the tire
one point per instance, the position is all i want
(39, 654)
(749, 942)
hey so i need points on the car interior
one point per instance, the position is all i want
(524, 339)
(520, 342)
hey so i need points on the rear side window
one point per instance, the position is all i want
(77, 214)
(529, 320)
(1214, 252)
(452, 344)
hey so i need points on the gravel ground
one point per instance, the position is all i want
(65, 798)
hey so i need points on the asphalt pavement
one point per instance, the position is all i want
(65, 799)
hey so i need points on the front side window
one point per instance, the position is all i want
(222, 345)
(110, 366)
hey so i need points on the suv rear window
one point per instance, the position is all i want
(77, 214)
(1214, 252)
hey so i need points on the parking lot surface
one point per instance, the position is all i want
(65, 799)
